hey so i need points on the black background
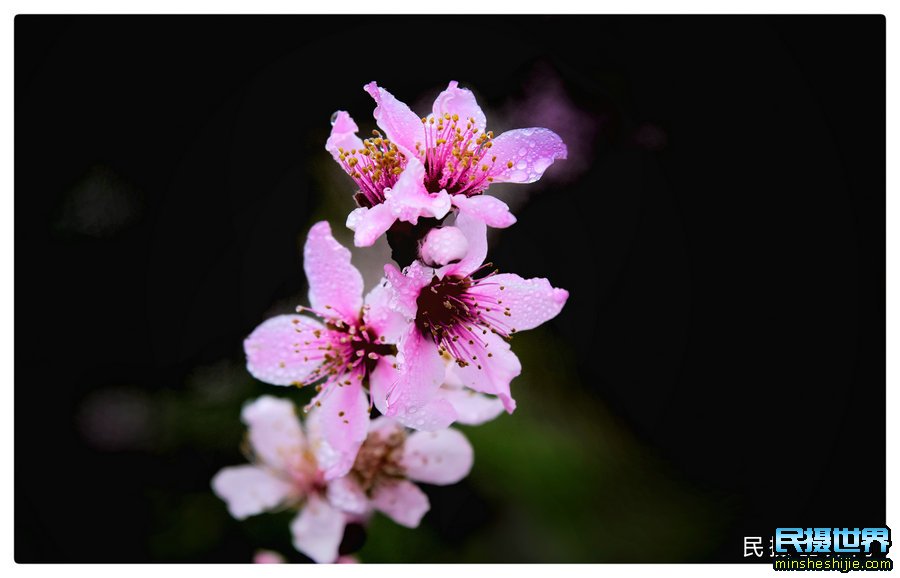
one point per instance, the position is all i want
(728, 289)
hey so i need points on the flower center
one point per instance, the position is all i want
(379, 458)
(457, 316)
(375, 168)
(456, 156)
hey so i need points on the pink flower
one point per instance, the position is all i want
(284, 474)
(388, 463)
(349, 347)
(461, 315)
(268, 557)
(423, 165)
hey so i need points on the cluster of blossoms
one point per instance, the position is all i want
(426, 347)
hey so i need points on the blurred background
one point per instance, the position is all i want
(717, 372)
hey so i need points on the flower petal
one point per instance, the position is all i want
(346, 495)
(343, 135)
(401, 125)
(461, 101)
(335, 285)
(277, 352)
(275, 433)
(494, 372)
(472, 408)
(378, 315)
(524, 154)
(413, 401)
(249, 490)
(369, 224)
(402, 501)
(409, 200)
(382, 380)
(439, 457)
(528, 302)
(494, 212)
(475, 231)
(406, 286)
(318, 530)
(344, 415)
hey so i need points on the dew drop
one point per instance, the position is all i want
(523, 151)
(334, 117)
(522, 165)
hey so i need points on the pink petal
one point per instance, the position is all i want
(401, 125)
(380, 317)
(472, 408)
(346, 495)
(275, 433)
(402, 501)
(382, 380)
(318, 530)
(277, 352)
(459, 101)
(494, 212)
(369, 224)
(344, 419)
(529, 150)
(493, 374)
(529, 302)
(249, 490)
(408, 199)
(413, 401)
(335, 285)
(475, 231)
(405, 287)
(439, 457)
(343, 135)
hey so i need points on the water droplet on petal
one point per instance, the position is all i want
(522, 165)
(523, 151)
(334, 118)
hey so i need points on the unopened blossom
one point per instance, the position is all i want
(465, 313)
(284, 473)
(390, 461)
(420, 166)
(343, 346)
(442, 246)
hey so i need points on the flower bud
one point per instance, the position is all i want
(442, 246)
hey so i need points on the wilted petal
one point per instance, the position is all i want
(527, 302)
(344, 418)
(275, 433)
(496, 367)
(249, 490)
(318, 530)
(343, 135)
(408, 199)
(524, 154)
(494, 212)
(438, 457)
(402, 501)
(335, 285)
(413, 401)
(369, 224)
(461, 101)
(378, 315)
(472, 408)
(277, 352)
(401, 125)
(346, 495)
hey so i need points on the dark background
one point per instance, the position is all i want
(723, 242)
